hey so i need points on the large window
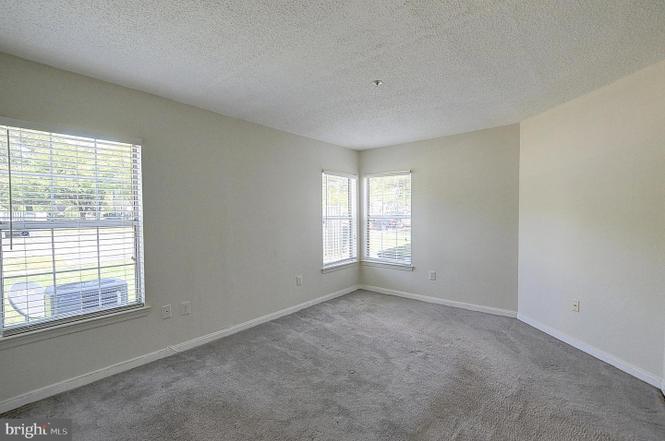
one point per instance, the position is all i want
(339, 220)
(388, 219)
(70, 227)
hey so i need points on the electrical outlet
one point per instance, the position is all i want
(431, 275)
(299, 280)
(166, 311)
(576, 306)
(185, 308)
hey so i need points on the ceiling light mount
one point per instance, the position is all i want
(377, 83)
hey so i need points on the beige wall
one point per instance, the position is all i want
(592, 219)
(464, 216)
(232, 214)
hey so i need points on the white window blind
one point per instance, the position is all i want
(70, 227)
(388, 219)
(339, 220)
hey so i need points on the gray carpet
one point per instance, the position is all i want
(369, 367)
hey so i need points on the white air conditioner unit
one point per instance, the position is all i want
(88, 296)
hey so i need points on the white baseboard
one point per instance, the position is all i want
(198, 341)
(90, 377)
(80, 380)
(440, 301)
(618, 363)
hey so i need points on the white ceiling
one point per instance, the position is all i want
(306, 66)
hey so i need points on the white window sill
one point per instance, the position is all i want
(71, 327)
(388, 265)
(339, 266)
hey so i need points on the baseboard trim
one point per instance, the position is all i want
(608, 358)
(90, 377)
(440, 301)
(198, 341)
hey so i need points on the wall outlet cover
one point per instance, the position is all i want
(186, 308)
(166, 311)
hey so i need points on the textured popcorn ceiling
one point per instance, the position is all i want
(306, 66)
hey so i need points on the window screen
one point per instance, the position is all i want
(70, 227)
(388, 228)
(339, 221)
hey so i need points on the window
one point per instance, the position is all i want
(339, 220)
(70, 227)
(388, 219)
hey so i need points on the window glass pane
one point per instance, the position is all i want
(116, 246)
(72, 242)
(338, 198)
(123, 277)
(25, 300)
(388, 230)
(339, 221)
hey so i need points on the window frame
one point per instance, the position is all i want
(366, 260)
(100, 317)
(353, 196)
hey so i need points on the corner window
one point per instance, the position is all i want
(387, 231)
(70, 227)
(339, 219)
